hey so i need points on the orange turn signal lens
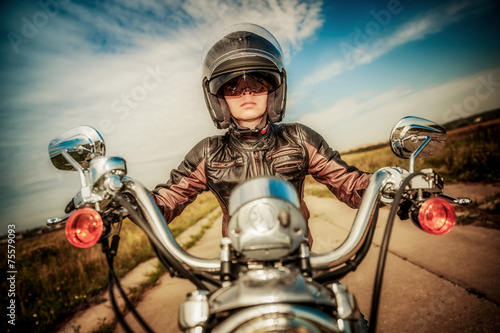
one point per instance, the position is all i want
(84, 228)
(437, 216)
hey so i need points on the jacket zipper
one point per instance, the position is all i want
(256, 163)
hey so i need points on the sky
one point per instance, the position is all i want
(131, 69)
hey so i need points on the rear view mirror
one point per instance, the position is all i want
(414, 137)
(75, 148)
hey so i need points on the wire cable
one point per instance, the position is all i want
(383, 251)
(113, 279)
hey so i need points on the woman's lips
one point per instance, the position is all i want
(248, 103)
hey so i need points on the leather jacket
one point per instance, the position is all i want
(289, 151)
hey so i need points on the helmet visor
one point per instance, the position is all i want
(236, 84)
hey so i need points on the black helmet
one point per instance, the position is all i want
(236, 50)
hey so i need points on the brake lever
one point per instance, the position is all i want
(57, 220)
(458, 201)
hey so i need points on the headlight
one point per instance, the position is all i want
(266, 220)
(262, 187)
(263, 217)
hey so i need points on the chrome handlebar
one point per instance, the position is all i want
(162, 231)
(104, 177)
(362, 222)
(382, 184)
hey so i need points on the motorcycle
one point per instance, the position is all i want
(265, 279)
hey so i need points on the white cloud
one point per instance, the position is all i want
(291, 22)
(350, 122)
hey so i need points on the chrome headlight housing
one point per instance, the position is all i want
(266, 219)
(277, 318)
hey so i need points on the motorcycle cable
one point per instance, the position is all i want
(217, 283)
(113, 279)
(173, 272)
(136, 218)
(112, 299)
(351, 265)
(377, 287)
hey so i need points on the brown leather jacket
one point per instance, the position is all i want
(290, 151)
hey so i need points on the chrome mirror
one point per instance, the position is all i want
(74, 149)
(414, 137)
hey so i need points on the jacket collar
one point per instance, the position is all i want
(245, 138)
(247, 133)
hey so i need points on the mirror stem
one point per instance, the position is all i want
(74, 164)
(416, 152)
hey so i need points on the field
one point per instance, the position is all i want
(54, 278)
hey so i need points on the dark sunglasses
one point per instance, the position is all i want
(255, 83)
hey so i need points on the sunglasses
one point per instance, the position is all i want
(255, 83)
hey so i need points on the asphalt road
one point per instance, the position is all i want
(444, 283)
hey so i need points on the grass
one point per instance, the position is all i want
(312, 188)
(55, 279)
(195, 238)
(204, 204)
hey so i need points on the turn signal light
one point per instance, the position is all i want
(436, 216)
(84, 228)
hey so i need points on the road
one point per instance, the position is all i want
(444, 283)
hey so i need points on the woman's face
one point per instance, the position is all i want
(246, 97)
(248, 109)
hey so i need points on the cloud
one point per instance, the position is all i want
(379, 36)
(291, 22)
(350, 122)
(128, 68)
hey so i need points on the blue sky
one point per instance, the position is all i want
(131, 69)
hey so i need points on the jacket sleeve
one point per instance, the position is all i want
(346, 182)
(184, 185)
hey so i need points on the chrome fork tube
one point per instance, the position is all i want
(359, 230)
(162, 231)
